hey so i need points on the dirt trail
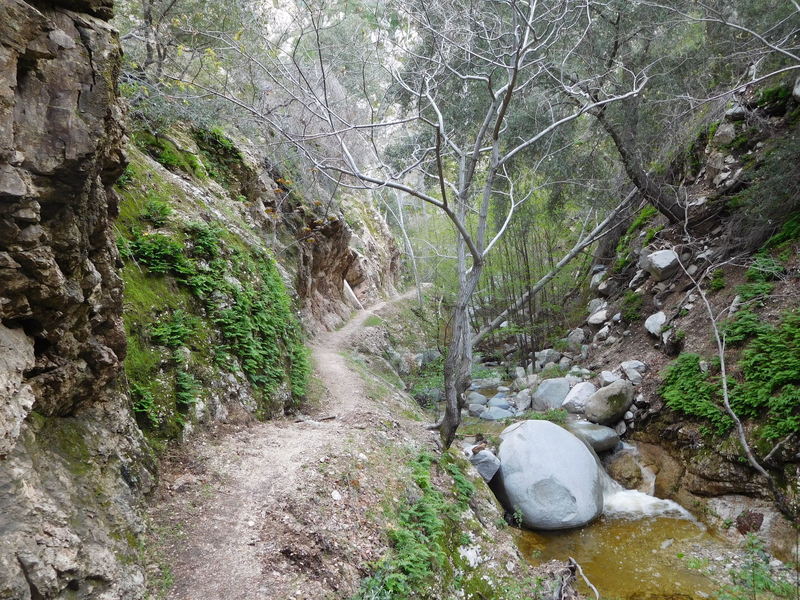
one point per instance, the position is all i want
(245, 476)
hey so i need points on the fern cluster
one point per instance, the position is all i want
(767, 385)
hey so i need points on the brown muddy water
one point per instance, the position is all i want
(650, 558)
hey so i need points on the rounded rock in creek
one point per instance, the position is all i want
(599, 437)
(549, 476)
(495, 413)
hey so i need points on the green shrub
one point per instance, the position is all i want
(554, 415)
(778, 94)
(752, 291)
(186, 388)
(417, 542)
(205, 239)
(127, 177)
(631, 308)
(687, 389)
(717, 281)
(743, 326)
(223, 160)
(553, 372)
(767, 386)
(174, 330)
(770, 368)
(169, 155)
(764, 268)
(755, 578)
(623, 250)
(144, 405)
(790, 232)
(160, 254)
(156, 211)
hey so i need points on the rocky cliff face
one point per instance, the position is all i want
(70, 455)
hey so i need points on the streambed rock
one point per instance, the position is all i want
(476, 398)
(486, 463)
(549, 475)
(599, 437)
(576, 399)
(550, 394)
(495, 413)
(608, 404)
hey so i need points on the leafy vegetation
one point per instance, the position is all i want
(156, 211)
(631, 308)
(623, 250)
(687, 389)
(224, 163)
(755, 578)
(207, 301)
(554, 415)
(766, 385)
(168, 154)
(427, 531)
(717, 281)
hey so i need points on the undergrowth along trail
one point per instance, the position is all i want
(215, 498)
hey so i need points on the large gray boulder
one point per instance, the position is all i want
(608, 404)
(662, 264)
(607, 378)
(486, 463)
(598, 318)
(575, 339)
(547, 356)
(599, 437)
(550, 394)
(500, 401)
(495, 413)
(655, 323)
(636, 365)
(596, 304)
(476, 398)
(523, 400)
(482, 384)
(475, 410)
(576, 399)
(549, 476)
(597, 279)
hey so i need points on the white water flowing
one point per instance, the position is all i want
(633, 504)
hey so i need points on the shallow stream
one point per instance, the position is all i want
(641, 548)
(637, 559)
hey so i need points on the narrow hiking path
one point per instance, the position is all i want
(233, 509)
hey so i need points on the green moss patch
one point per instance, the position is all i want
(199, 302)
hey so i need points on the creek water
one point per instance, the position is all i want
(641, 548)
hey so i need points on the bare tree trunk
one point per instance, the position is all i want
(457, 366)
(409, 248)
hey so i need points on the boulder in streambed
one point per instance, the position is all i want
(575, 402)
(549, 476)
(599, 437)
(486, 463)
(608, 404)
(550, 394)
(500, 401)
(475, 410)
(495, 413)
(476, 398)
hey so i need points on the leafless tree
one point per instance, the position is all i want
(444, 79)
